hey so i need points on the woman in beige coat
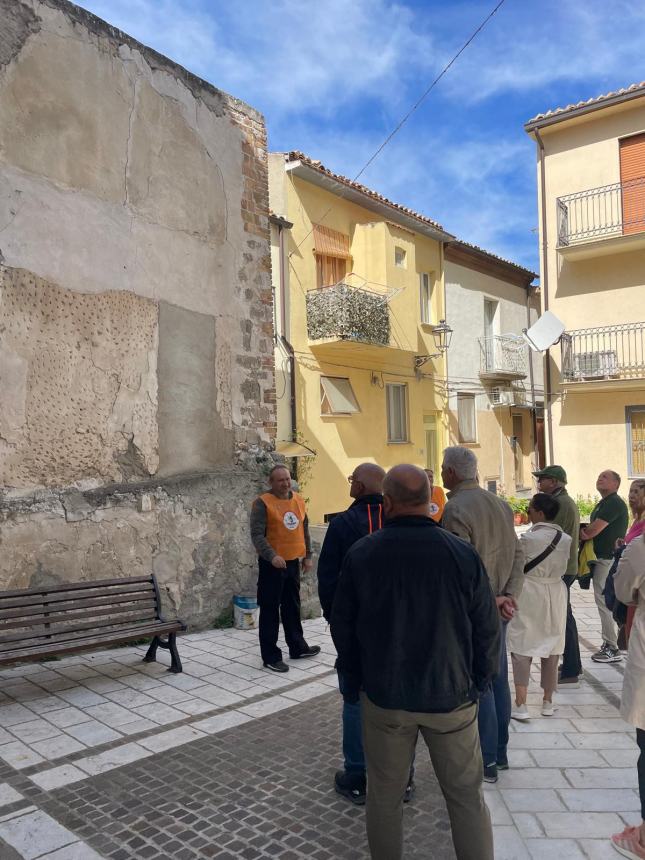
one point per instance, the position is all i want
(629, 582)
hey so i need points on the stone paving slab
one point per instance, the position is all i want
(228, 760)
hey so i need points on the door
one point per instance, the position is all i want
(431, 433)
(632, 178)
(518, 453)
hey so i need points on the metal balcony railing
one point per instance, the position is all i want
(503, 356)
(599, 213)
(606, 352)
(343, 312)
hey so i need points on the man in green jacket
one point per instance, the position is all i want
(553, 480)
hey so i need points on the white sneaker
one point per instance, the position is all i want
(520, 712)
(548, 709)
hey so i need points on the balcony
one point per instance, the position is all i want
(346, 313)
(503, 357)
(602, 220)
(605, 354)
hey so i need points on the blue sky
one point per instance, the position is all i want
(333, 78)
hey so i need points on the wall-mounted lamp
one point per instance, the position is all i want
(442, 335)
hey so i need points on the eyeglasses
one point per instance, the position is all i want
(350, 478)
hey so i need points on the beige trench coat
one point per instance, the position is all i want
(629, 582)
(537, 628)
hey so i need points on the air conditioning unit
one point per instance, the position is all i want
(595, 365)
(500, 396)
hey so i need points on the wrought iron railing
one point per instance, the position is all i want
(343, 312)
(503, 354)
(606, 352)
(599, 213)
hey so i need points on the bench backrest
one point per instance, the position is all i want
(36, 617)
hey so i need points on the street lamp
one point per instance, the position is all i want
(442, 335)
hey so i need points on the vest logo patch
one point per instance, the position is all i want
(291, 521)
(434, 508)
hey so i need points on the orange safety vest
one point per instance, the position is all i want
(285, 525)
(437, 503)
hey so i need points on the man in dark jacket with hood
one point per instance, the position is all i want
(416, 627)
(363, 517)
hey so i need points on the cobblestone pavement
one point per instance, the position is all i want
(102, 756)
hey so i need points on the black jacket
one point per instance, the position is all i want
(415, 621)
(362, 518)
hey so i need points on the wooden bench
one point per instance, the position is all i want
(61, 619)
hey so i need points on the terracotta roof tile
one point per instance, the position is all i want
(317, 165)
(636, 89)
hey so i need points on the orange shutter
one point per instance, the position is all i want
(331, 243)
(632, 177)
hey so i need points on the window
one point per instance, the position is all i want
(635, 420)
(337, 396)
(426, 297)
(397, 411)
(466, 418)
(332, 255)
(399, 257)
(329, 270)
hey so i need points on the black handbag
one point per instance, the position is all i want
(617, 609)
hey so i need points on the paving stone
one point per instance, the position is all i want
(567, 758)
(112, 714)
(81, 697)
(220, 722)
(527, 825)
(620, 758)
(75, 851)
(532, 800)
(112, 758)
(540, 740)
(92, 733)
(509, 845)
(599, 800)
(172, 738)
(266, 706)
(550, 849)
(34, 730)
(19, 755)
(56, 777)
(136, 726)
(602, 777)
(8, 795)
(217, 696)
(580, 824)
(619, 741)
(29, 833)
(66, 717)
(11, 715)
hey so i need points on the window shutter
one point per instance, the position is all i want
(632, 177)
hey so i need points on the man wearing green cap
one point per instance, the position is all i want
(552, 480)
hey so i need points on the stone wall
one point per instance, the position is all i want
(137, 399)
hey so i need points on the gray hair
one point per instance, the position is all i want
(462, 461)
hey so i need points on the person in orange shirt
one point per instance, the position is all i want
(437, 498)
(280, 535)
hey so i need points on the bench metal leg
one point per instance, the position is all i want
(151, 654)
(175, 665)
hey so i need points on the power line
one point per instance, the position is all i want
(397, 128)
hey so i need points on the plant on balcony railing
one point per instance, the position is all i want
(604, 352)
(348, 313)
(506, 354)
(599, 213)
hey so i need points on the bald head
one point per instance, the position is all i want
(367, 480)
(406, 491)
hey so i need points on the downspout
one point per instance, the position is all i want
(536, 452)
(283, 328)
(545, 287)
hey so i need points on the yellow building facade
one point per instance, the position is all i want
(359, 293)
(591, 192)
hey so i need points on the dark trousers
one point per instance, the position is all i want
(571, 665)
(640, 740)
(495, 712)
(279, 597)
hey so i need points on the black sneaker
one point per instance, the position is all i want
(410, 791)
(310, 651)
(502, 763)
(571, 683)
(490, 773)
(278, 666)
(353, 786)
(607, 654)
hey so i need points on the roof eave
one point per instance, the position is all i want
(355, 195)
(619, 98)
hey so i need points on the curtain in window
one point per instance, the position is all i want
(397, 424)
(329, 270)
(466, 418)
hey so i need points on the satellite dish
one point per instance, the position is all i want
(545, 332)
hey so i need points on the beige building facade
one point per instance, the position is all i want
(136, 358)
(591, 192)
(495, 401)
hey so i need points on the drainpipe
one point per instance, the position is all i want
(545, 287)
(282, 224)
(536, 452)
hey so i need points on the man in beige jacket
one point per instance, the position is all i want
(486, 522)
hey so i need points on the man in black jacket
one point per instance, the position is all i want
(416, 626)
(363, 517)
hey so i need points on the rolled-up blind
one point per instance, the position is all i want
(632, 177)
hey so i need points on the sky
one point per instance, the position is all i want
(334, 77)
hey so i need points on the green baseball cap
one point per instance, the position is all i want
(555, 472)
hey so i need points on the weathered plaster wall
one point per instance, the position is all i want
(135, 312)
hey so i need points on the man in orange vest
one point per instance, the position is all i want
(437, 498)
(280, 535)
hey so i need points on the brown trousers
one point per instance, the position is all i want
(389, 739)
